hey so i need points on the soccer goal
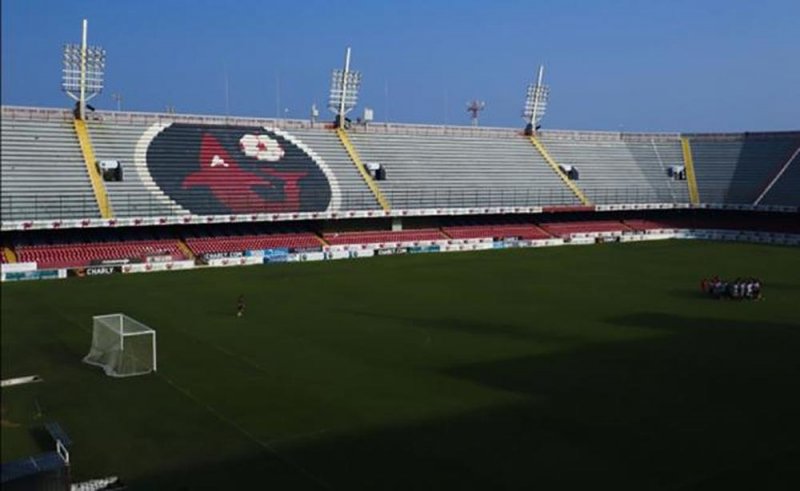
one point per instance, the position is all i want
(122, 346)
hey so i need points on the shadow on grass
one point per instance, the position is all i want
(459, 325)
(711, 404)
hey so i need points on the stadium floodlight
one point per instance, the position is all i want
(474, 108)
(535, 103)
(122, 346)
(84, 69)
(345, 85)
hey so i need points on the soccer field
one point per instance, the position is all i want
(553, 368)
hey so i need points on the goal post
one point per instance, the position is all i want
(122, 346)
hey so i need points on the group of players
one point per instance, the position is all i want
(739, 289)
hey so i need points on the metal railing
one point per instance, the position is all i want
(140, 205)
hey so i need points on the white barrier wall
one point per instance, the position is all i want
(27, 271)
(235, 261)
(152, 267)
(17, 267)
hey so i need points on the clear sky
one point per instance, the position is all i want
(637, 65)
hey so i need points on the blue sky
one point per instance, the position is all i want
(670, 65)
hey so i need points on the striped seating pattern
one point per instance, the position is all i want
(44, 174)
(734, 170)
(565, 229)
(433, 171)
(383, 237)
(526, 232)
(208, 245)
(82, 254)
(615, 170)
(131, 197)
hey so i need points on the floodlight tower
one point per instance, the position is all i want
(474, 107)
(83, 72)
(344, 91)
(535, 103)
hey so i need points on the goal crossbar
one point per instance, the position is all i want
(117, 357)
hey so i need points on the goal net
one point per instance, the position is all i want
(122, 346)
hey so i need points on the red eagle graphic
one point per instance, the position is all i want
(237, 188)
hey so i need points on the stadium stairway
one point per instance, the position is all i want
(91, 166)
(187, 251)
(554, 165)
(8, 255)
(783, 168)
(353, 153)
(688, 163)
(134, 195)
(322, 241)
(43, 172)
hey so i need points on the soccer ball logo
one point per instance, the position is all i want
(261, 147)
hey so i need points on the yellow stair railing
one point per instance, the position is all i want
(9, 254)
(688, 163)
(91, 165)
(351, 151)
(554, 165)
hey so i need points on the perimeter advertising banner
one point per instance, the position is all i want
(220, 255)
(276, 255)
(423, 249)
(47, 274)
(94, 271)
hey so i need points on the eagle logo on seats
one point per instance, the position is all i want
(218, 170)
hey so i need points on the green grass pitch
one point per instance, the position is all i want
(556, 368)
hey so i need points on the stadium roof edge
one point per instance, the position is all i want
(132, 117)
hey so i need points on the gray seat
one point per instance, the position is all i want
(44, 174)
(447, 171)
(735, 169)
(616, 168)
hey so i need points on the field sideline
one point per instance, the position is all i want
(550, 368)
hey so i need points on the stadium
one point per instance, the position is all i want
(228, 302)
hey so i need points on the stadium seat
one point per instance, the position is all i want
(210, 245)
(85, 254)
(525, 232)
(383, 237)
(734, 169)
(621, 168)
(458, 171)
(44, 175)
(567, 229)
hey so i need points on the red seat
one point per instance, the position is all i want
(79, 255)
(382, 237)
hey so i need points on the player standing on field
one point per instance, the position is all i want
(240, 306)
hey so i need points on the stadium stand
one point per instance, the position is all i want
(355, 192)
(567, 229)
(136, 195)
(44, 174)
(521, 231)
(620, 168)
(383, 237)
(773, 223)
(211, 245)
(786, 190)
(459, 171)
(84, 254)
(735, 168)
